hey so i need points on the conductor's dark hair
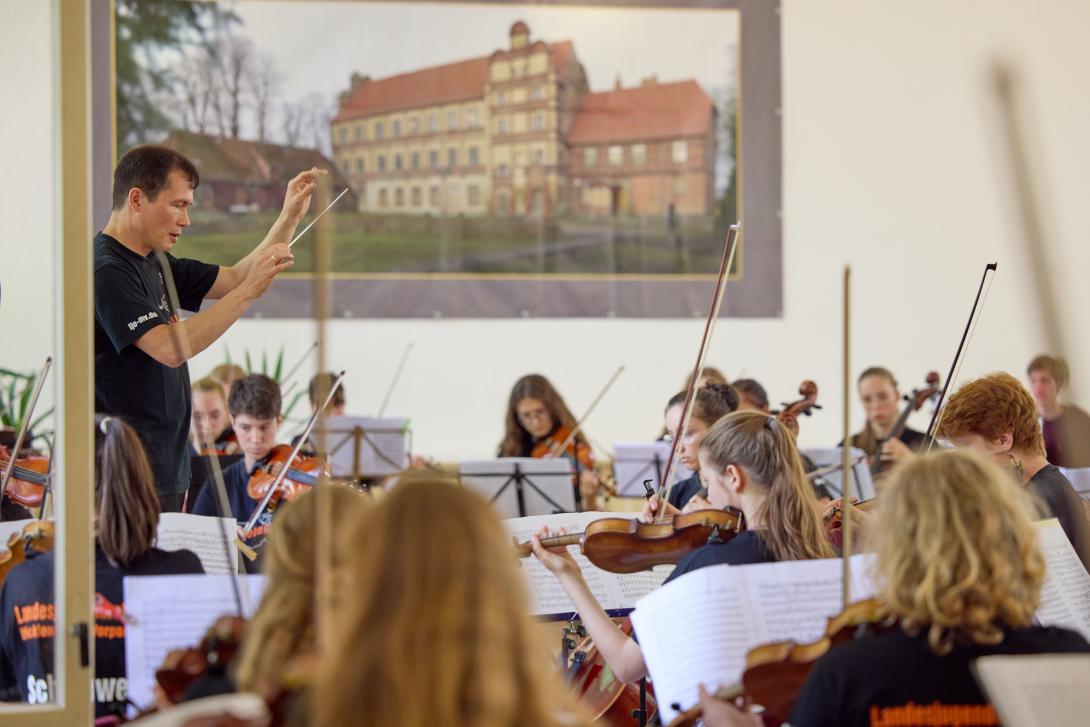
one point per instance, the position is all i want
(147, 168)
(255, 395)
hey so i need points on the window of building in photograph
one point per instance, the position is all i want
(473, 118)
(414, 125)
(473, 195)
(639, 154)
(433, 196)
(616, 155)
(452, 120)
(359, 164)
(452, 158)
(537, 122)
(590, 156)
(474, 156)
(416, 197)
(382, 163)
(501, 126)
(359, 132)
(397, 161)
(397, 127)
(433, 158)
(399, 197)
(343, 134)
(539, 156)
(433, 122)
(379, 130)
(679, 152)
(416, 160)
(383, 198)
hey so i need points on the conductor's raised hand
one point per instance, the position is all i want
(270, 263)
(300, 190)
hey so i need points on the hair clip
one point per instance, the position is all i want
(102, 425)
(769, 422)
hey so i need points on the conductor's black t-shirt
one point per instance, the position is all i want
(745, 548)
(27, 626)
(131, 299)
(895, 679)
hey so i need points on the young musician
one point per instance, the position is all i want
(960, 570)
(1066, 427)
(752, 396)
(126, 524)
(319, 389)
(227, 374)
(284, 626)
(537, 415)
(211, 428)
(881, 399)
(141, 345)
(712, 402)
(432, 626)
(255, 416)
(749, 462)
(997, 416)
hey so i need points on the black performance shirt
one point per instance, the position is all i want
(130, 300)
(1063, 503)
(235, 479)
(27, 626)
(745, 548)
(683, 491)
(895, 679)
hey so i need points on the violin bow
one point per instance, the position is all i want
(955, 365)
(295, 369)
(180, 338)
(730, 246)
(393, 382)
(590, 409)
(846, 450)
(24, 427)
(1005, 87)
(263, 505)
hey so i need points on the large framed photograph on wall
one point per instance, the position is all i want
(498, 160)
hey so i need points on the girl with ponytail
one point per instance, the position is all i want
(748, 461)
(126, 523)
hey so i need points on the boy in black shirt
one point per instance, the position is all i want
(254, 404)
(127, 515)
(995, 415)
(141, 344)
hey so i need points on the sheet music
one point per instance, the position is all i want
(634, 462)
(862, 482)
(699, 627)
(203, 535)
(173, 612)
(1038, 690)
(1080, 480)
(615, 591)
(9, 528)
(1065, 595)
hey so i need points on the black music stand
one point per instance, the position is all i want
(522, 486)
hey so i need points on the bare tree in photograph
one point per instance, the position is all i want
(293, 118)
(263, 83)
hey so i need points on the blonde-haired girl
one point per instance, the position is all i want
(960, 571)
(435, 626)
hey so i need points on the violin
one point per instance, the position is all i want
(182, 668)
(627, 545)
(915, 401)
(303, 473)
(776, 672)
(804, 406)
(561, 443)
(29, 479)
(36, 536)
(834, 523)
(223, 447)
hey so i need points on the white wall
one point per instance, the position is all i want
(892, 164)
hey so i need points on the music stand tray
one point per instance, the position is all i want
(364, 446)
(862, 482)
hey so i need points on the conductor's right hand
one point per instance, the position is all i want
(651, 510)
(270, 262)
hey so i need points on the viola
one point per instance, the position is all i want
(184, 667)
(611, 701)
(627, 545)
(29, 479)
(914, 402)
(36, 536)
(776, 672)
(303, 473)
